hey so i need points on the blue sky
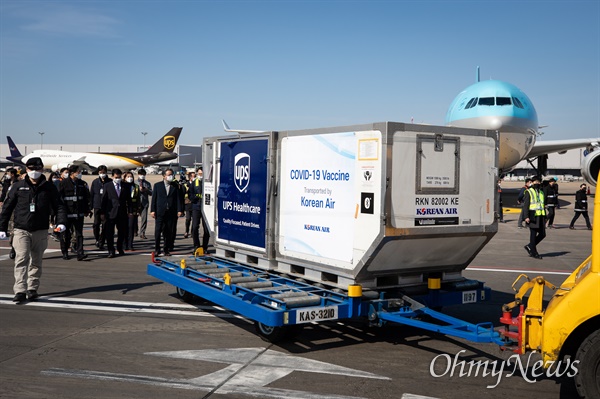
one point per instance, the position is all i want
(104, 71)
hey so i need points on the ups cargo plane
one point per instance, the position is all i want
(54, 160)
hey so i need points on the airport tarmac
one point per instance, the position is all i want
(103, 328)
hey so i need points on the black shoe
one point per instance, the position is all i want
(97, 244)
(143, 236)
(186, 235)
(20, 297)
(121, 253)
(66, 256)
(572, 228)
(81, 257)
(536, 256)
(111, 254)
(32, 295)
(13, 254)
(101, 247)
(527, 249)
(167, 253)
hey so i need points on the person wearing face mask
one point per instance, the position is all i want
(74, 193)
(96, 191)
(133, 217)
(581, 207)
(116, 208)
(520, 199)
(31, 201)
(145, 192)
(196, 194)
(166, 207)
(534, 214)
(9, 178)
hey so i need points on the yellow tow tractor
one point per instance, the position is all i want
(569, 328)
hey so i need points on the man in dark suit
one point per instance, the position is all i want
(116, 207)
(166, 207)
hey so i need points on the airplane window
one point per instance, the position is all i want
(472, 102)
(503, 101)
(518, 102)
(486, 101)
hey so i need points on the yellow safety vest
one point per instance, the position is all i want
(197, 184)
(536, 202)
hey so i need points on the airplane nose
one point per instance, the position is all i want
(495, 124)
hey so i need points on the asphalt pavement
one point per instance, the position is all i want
(103, 328)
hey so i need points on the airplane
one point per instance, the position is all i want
(498, 105)
(55, 160)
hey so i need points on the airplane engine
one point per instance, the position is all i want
(590, 166)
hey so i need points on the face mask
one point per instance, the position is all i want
(8, 177)
(79, 176)
(583, 188)
(142, 177)
(102, 175)
(117, 180)
(170, 178)
(65, 175)
(34, 174)
(536, 186)
(55, 180)
(129, 180)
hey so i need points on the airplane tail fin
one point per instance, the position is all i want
(14, 151)
(167, 142)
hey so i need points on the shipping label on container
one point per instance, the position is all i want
(242, 192)
(318, 183)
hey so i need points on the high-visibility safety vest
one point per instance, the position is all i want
(197, 191)
(536, 202)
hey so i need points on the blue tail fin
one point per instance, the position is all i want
(14, 151)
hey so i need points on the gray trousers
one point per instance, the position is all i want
(143, 221)
(29, 247)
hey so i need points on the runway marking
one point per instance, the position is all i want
(248, 371)
(494, 269)
(411, 396)
(123, 306)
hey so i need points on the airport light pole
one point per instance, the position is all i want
(42, 143)
(144, 134)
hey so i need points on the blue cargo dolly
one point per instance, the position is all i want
(276, 303)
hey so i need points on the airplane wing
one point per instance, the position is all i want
(228, 129)
(561, 146)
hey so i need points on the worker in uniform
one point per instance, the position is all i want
(145, 192)
(96, 192)
(31, 200)
(581, 207)
(520, 199)
(534, 215)
(551, 197)
(135, 210)
(196, 195)
(74, 193)
(166, 207)
(187, 202)
(10, 177)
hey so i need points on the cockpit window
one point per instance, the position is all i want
(517, 103)
(486, 101)
(503, 101)
(472, 102)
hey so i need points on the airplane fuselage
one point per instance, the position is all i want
(496, 105)
(55, 159)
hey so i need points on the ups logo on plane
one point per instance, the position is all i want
(169, 142)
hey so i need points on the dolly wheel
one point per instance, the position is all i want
(184, 295)
(270, 334)
(587, 380)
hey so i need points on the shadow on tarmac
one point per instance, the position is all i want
(124, 288)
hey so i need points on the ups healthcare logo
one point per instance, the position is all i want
(169, 142)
